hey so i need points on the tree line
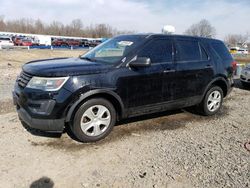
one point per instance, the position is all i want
(75, 28)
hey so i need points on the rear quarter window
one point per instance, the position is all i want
(221, 50)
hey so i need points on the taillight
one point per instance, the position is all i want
(234, 65)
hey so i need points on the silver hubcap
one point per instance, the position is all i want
(95, 120)
(214, 101)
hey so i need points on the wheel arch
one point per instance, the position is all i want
(218, 81)
(111, 96)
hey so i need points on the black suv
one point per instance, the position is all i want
(126, 76)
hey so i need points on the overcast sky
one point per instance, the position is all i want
(227, 16)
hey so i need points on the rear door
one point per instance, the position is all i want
(194, 69)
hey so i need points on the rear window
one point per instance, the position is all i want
(188, 50)
(221, 50)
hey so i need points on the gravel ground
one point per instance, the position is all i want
(175, 149)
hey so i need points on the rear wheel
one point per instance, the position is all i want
(94, 120)
(212, 101)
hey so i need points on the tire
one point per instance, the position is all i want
(245, 85)
(212, 101)
(93, 120)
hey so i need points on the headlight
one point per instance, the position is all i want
(47, 84)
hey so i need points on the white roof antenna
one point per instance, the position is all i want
(168, 29)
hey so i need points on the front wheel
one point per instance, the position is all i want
(212, 101)
(94, 120)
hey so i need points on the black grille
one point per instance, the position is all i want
(23, 79)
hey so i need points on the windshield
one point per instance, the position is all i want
(114, 50)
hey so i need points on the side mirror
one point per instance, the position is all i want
(140, 62)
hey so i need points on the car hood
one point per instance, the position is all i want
(64, 67)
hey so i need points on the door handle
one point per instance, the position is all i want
(208, 66)
(169, 70)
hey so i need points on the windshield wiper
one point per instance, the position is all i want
(87, 58)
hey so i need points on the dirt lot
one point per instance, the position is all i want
(177, 149)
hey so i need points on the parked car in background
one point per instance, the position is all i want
(127, 76)
(22, 41)
(245, 76)
(6, 42)
(26, 42)
(243, 51)
(17, 40)
(238, 51)
(73, 42)
(59, 42)
(84, 42)
(94, 43)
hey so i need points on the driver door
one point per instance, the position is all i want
(144, 85)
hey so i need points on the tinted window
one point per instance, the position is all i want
(221, 50)
(187, 50)
(158, 51)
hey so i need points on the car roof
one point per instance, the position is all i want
(153, 35)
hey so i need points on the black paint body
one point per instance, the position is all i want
(133, 91)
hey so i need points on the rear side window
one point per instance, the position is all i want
(158, 51)
(188, 50)
(221, 50)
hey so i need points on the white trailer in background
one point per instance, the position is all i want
(43, 40)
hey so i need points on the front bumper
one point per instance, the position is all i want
(245, 78)
(36, 116)
(48, 125)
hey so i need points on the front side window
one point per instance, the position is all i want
(114, 50)
(187, 50)
(158, 51)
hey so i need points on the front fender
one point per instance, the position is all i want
(90, 93)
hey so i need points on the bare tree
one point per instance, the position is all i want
(2, 24)
(234, 39)
(39, 26)
(201, 29)
(75, 28)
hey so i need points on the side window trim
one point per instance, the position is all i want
(201, 46)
